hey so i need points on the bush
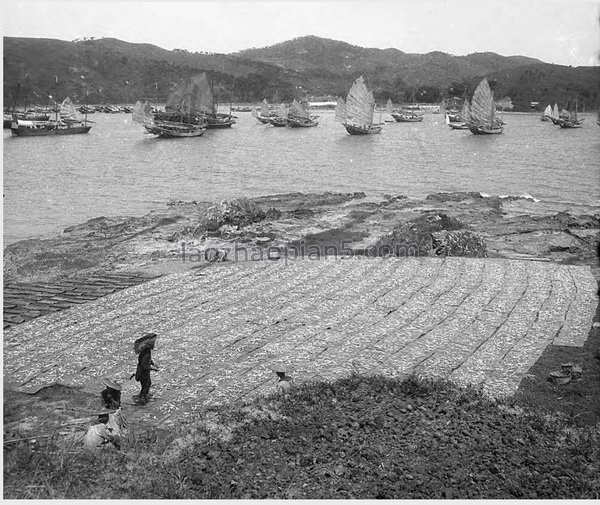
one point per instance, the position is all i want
(430, 235)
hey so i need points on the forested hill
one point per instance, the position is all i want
(111, 70)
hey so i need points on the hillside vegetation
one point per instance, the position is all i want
(111, 70)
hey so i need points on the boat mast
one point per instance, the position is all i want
(56, 106)
(15, 100)
(87, 91)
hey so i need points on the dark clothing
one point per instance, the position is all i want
(142, 373)
(111, 398)
(146, 383)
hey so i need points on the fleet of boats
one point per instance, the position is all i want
(191, 109)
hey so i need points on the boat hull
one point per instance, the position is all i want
(570, 124)
(278, 121)
(263, 120)
(458, 126)
(363, 130)
(214, 124)
(176, 131)
(299, 123)
(46, 130)
(485, 130)
(402, 118)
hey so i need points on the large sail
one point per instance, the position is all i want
(176, 96)
(298, 111)
(282, 111)
(202, 100)
(573, 110)
(142, 113)
(465, 114)
(264, 108)
(554, 111)
(548, 111)
(67, 110)
(340, 110)
(360, 104)
(389, 106)
(443, 107)
(483, 108)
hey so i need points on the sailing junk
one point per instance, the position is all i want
(182, 117)
(463, 118)
(192, 103)
(483, 120)
(554, 116)
(265, 114)
(570, 119)
(356, 112)
(407, 114)
(65, 123)
(299, 116)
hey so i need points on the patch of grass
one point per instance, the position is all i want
(359, 437)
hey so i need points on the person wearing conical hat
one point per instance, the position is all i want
(111, 394)
(143, 346)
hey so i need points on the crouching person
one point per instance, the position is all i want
(107, 433)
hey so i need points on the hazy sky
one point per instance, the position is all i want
(563, 32)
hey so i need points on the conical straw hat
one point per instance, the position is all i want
(141, 343)
(108, 382)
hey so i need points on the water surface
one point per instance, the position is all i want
(54, 182)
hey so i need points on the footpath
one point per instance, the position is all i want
(224, 330)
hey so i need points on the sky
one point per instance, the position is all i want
(565, 32)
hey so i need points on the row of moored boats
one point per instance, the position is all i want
(191, 109)
(567, 117)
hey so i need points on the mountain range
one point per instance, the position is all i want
(111, 70)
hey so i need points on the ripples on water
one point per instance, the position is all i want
(54, 182)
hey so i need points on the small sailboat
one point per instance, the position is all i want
(547, 114)
(142, 113)
(356, 112)
(264, 114)
(300, 117)
(465, 114)
(570, 119)
(408, 114)
(482, 118)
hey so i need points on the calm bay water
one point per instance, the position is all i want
(54, 182)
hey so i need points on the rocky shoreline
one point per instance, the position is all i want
(185, 235)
